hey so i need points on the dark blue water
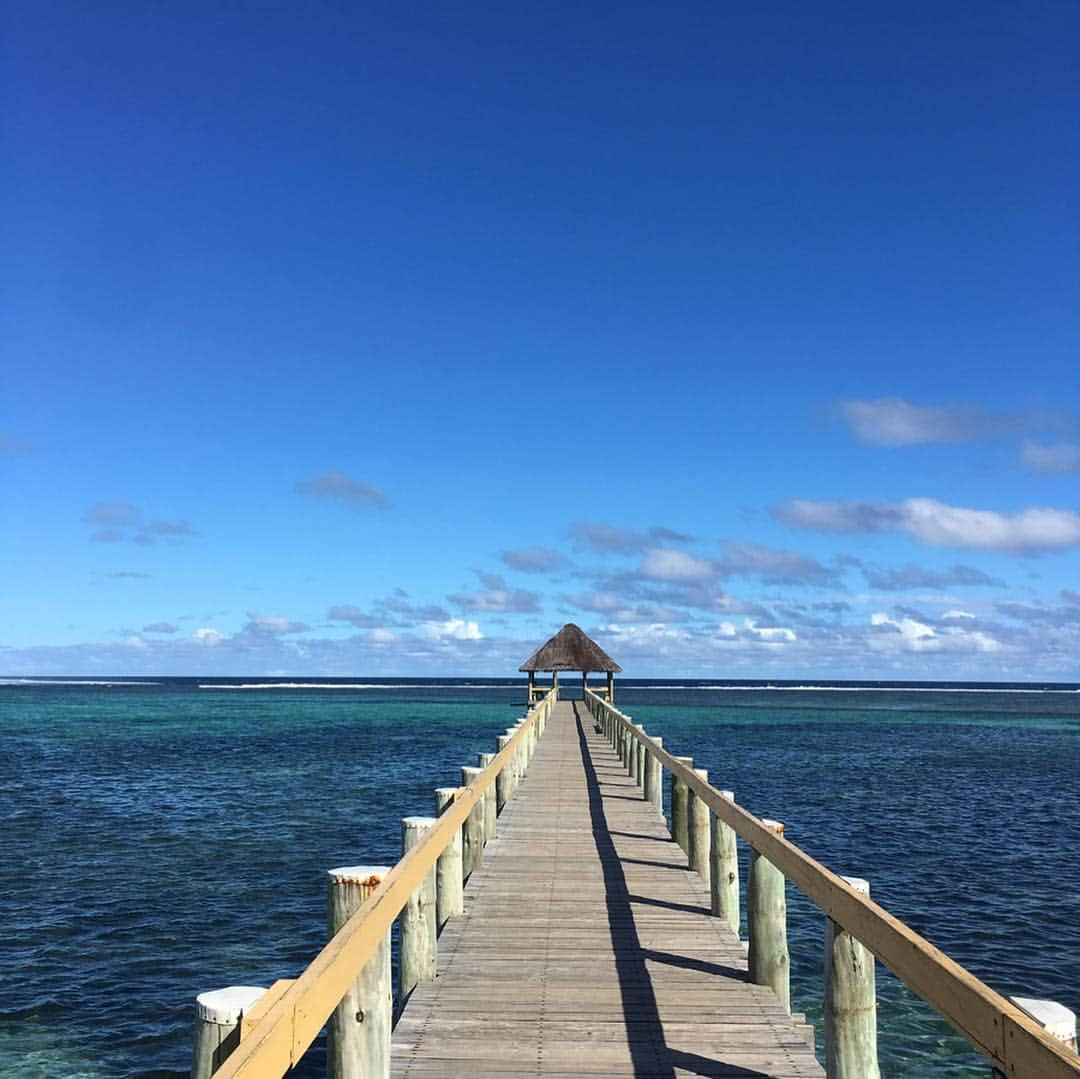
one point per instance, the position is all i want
(164, 839)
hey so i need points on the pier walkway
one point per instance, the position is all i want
(587, 946)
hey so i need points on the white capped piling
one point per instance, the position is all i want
(697, 830)
(484, 760)
(766, 919)
(449, 874)
(850, 1002)
(635, 756)
(654, 776)
(511, 765)
(679, 806)
(217, 1025)
(1057, 1020)
(358, 1033)
(724, 870)
(504, 780)
(472, 831)
(642, 761)
(418, 958)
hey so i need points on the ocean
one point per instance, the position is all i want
(164, 837)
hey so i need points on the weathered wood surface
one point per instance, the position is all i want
(587, 946)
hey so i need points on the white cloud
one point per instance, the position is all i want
(958, 614)
(273, 624)
(772, 634)
(1062, 457)
(338, 485)
(665, 564)
(892, 421)
(534, 559)
(208, 636)
(916, 636)
(1032, 530)
(496, 597)
(457, 628)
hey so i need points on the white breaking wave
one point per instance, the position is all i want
(349, 685)
(69, 682)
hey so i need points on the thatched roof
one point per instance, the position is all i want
(570, 650)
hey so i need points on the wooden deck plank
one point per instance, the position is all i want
(587, 947)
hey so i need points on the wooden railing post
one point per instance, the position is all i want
(635, 755)
(766, 918)
(679, 807)
(1057, 1020)
(449, 871)
(358, 1034)
(418, 958)
(490, 814)
(504, 780)
(724, 870)
(698, 836)
(217, 1026)
(472, 833)
(850, 1002)
(654, 777)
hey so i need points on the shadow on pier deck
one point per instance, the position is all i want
(587, 946)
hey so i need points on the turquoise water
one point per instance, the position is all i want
(162, 840)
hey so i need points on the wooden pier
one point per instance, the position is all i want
(588, 947)
(553, 923)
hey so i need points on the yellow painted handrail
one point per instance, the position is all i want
(1014, 1042)
(293, 1021)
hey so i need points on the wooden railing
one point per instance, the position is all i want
(285, 1020)
(1016, 1045)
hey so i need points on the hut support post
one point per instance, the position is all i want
(532, 687)
(611, 687)
(850, 1002)
(766, 919)
(358, 1034)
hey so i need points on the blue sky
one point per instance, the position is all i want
(385, 340)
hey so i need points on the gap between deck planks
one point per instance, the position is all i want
(587, 947)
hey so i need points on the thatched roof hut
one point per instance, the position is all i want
(570, 650)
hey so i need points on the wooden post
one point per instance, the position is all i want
(698, 833)
(766, 918)
(635, 757)
(611, 688)
(679, 806)
(472, 831)
(532, 687)
(654, 777)
(358, 1034)
(485, 760)
(504, 780)
(449, 874)
(217, 1026)
(850, 1002)
(418, 958)
(642, 761)
(584, 683)
(1057, 1020)
(555, 683)
(513, 764)
(724, 870)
